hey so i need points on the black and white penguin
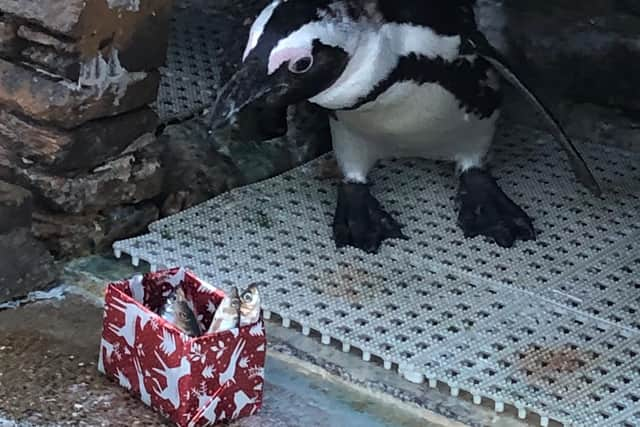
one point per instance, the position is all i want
(401, 78)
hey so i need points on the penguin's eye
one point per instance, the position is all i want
(301, 65)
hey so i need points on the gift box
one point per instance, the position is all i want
(193, 381)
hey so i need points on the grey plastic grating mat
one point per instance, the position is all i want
(196, 60)
(550, 326)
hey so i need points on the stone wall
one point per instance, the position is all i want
(76, 131)
(25, 262)
(583, 57)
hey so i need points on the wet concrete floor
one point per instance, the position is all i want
(48, 377)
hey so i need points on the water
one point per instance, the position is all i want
(298, 399)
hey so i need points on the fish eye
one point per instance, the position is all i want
(301, 65)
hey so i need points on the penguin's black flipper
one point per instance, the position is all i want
(477, 43)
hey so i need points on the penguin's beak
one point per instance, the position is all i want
(250, 90)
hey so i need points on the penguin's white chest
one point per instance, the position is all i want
(419, 120)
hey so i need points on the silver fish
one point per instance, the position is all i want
(227, 314)
(249, 305)
(178, 312)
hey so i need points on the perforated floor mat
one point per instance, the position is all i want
(203, 50)
(190, 78)
(550, 326)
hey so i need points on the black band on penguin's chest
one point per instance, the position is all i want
(467, 80)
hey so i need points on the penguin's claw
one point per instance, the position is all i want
(360, 220)
(485, 210)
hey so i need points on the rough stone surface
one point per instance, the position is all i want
(582, 59)
(25, 265)
(585, 51)
(130, 179)
(58, 16)
(602, 125)
(200, 165)
(9, 43)
(81, 148)
(308, 136)
(55, 62)
(195, 171)
(27, 33)
(43, 98)
(76, 80)
(48, 356)
(583, 122)
(136, 28)
(77, 235)
(8, 161)
(16, 206)
(145, 47)
(64, 59)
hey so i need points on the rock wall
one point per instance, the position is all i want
(582, 57)
(25, 263)
(76, 131)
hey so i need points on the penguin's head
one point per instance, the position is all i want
(295, 50)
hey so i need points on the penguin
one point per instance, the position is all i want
(399, 78)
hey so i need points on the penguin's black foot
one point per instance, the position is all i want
(485, 210)
(360, 221)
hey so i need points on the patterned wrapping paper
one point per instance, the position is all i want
(192, 381)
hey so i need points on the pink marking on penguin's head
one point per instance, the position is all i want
(288, 54)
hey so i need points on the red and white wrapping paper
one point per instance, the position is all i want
(193, 381)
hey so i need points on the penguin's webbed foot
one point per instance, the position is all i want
(485, 210)
(360, 220)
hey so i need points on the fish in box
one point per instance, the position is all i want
(194, 379)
